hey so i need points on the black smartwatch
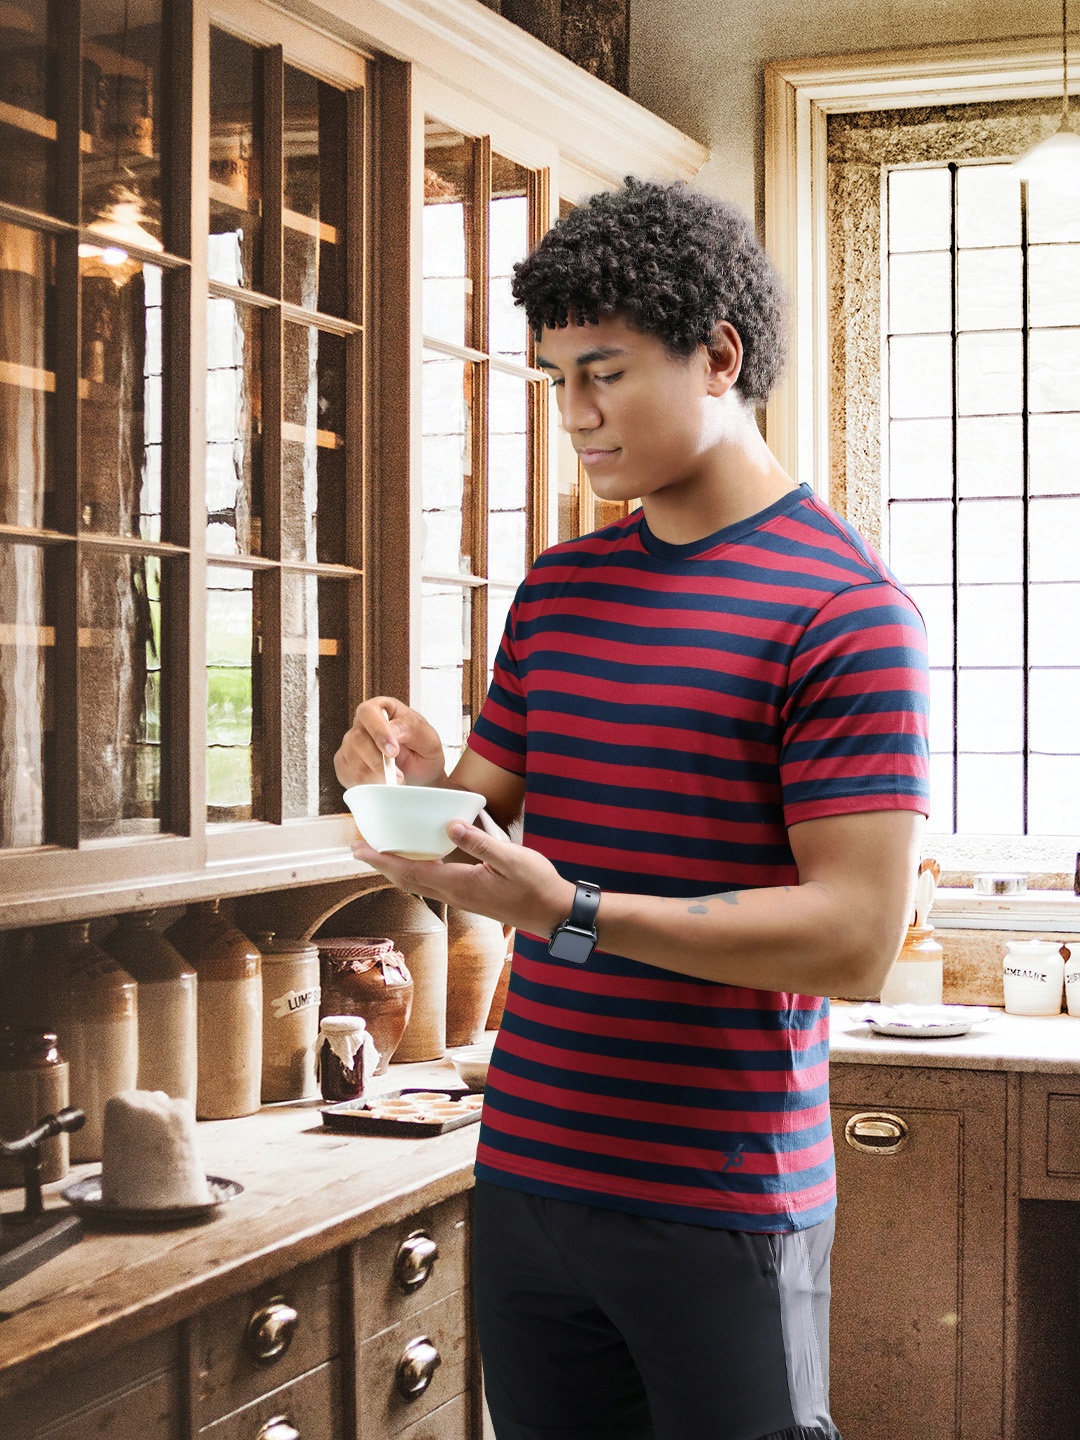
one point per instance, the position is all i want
(575, 938)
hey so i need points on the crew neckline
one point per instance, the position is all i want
(667, 551)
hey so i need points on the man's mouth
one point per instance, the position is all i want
(591, 456)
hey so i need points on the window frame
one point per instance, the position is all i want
(800, 95)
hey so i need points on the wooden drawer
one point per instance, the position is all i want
(381, 1408)
(226, 1373)
(449, 1422)
(1050, 1137)
(382, 1298)
(311, 1404)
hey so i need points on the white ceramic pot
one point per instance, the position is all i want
(1033, 977)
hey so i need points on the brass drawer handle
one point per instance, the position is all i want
(415, 1258)
(876, 1132)
(269, 1334)
(417, 1366)
(278, 1429)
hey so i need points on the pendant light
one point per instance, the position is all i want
(1057, 158)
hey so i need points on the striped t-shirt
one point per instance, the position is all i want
(673, 708)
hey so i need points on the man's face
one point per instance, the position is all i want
(640, 419)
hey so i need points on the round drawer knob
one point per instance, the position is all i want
(876, 1132)
(415, 1258)
(278, 1429)
(417, 1366)
(269, 1334)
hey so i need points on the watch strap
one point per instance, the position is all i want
(586, 903)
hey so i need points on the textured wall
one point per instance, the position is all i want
(699, 63)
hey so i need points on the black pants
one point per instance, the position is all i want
(597, 1325)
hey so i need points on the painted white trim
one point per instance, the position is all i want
(800, 95)
(484, 56)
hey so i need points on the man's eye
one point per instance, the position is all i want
(615, 375)
(556, 382)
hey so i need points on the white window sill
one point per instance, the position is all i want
(1036, 910)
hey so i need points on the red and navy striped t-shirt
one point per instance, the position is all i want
(673, 708)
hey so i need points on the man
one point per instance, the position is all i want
(713, 712)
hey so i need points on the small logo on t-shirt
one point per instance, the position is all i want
(732, 1158)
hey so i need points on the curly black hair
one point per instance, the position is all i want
(670, 261)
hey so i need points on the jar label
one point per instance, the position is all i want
(294, 1000)
(1020, 973)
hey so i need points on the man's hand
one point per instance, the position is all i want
(510, 883)
(385, 726)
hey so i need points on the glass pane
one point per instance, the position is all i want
(1054, 539)
(27, 377)
(1053, 794)
(920, 542)
(446, 464)
(508, 477)
(1054, 704)
(233, 248)
(499, 602)
(1054, 453)
(122, 116)
(1053, 631)
(988, 792)
(987, 206)
(120, 416)
(920, 458)
(315, 702)
(448, 179)
(990, 624)
(990, 456)
(920, 376)
(935, 604)
(607, 512)
(313, 445)
(989, 289)
(941, 795)
(920, 205)
(313, 217)
(27, 104)
(120, 661)
(991, 711)
(989, 540)
(569, 478)
(920, 293)
(941, 711)
(445, 663)
(26, 684)
(989, 374)
(232, 679)
(1053, 212)
(233, 429)
(1054, 285)
(1054, 370)
(509, 243)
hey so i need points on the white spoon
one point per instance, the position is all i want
(389, 768)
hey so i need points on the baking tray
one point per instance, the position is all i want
(353, 1115)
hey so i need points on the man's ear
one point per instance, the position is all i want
(725, 352)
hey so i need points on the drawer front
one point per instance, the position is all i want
(226, 1338)
(382, 1410)
(147, 1413)
(384, 1262)
(310, 1404)
(449, 1422)
(1050, 1137)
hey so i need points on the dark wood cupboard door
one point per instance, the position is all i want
(919, 1257)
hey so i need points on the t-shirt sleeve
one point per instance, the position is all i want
(855, 718)
(499, 734)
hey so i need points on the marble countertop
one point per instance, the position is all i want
(1047, 1043)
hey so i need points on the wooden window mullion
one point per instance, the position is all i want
(267, 757)
(539, 202)
(273, 167)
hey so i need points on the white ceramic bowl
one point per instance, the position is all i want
(471, 1063)
(410, 820)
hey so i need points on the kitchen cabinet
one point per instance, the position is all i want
(919, 1259)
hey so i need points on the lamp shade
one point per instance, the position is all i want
(1055, 159)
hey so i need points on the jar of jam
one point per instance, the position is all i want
(345, 1057)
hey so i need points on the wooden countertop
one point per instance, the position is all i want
(1047, 1043)
(306, 1190)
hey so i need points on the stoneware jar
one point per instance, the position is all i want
(476, 949)
(421, 937)
(168, 1052)
(366, 976)
(229, 966)
(1034, 973)
(291, 993)
(33, 1084)
(916, 977)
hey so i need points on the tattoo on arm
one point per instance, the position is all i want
(698, 910)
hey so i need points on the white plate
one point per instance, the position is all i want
(84, 1197)
(921, 1022)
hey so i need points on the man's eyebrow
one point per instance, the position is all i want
(587, 357)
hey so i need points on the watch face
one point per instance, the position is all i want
(573, 945)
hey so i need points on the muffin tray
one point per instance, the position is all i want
(411, 1111)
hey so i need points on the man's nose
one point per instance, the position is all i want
(578, 411)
